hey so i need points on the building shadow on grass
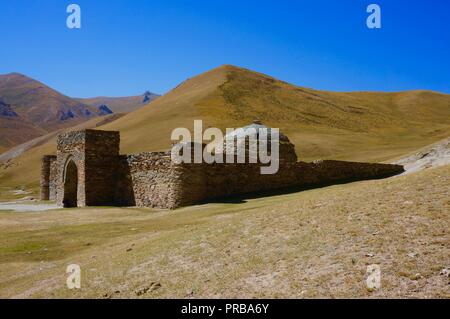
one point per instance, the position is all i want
(244, 198)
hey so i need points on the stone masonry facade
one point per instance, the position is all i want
(88, 170)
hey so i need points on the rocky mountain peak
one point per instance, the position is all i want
(148, 97)
(104, 110)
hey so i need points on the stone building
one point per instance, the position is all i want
(88, 170)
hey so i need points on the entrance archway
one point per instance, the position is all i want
(71, 185)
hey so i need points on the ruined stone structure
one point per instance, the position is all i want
(89, 171)
(48, 174)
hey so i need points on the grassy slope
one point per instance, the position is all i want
(358, 126)
(351, 126)
(16, 130)
(309, 244)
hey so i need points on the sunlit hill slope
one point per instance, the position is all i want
(358, 126)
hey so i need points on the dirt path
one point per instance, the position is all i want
(26, 206)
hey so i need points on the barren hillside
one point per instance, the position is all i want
(36, 110)
(14, 129)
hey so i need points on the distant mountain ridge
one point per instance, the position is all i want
(126, 104)
(104, 110)
(29, 109)
(42, 105)
(33, 109)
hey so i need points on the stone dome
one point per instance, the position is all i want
(240, 135)
(257, 126)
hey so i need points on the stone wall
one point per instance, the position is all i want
(70, 147)
(95, 155)
(200, 182)
(148, 180)
(330, 172)
(101, 156)
(52, 178)
(48, 175)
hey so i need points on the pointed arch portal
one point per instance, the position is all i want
(71, 185)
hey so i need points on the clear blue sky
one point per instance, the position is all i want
(128, 46)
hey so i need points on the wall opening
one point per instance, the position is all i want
(71, 185)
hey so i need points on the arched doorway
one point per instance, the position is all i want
(70, 185)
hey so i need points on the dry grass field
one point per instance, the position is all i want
(315, 243)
